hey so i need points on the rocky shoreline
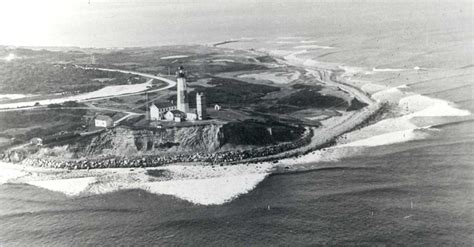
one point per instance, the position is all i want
(159, 160)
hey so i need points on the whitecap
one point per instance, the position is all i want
(387, 139)
(211, 191)
(313, 47)
(174, 57)
(308, 41)
(70, 187)
(387, 70)
(8, 172)
(424, 106)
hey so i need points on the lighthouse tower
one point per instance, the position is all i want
(182, 103)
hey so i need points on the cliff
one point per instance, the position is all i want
(127, 147)
(128, 142)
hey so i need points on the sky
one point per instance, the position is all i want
(117, 22)
(123, 23)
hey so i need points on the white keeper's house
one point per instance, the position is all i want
(158, 110)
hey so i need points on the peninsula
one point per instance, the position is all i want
(226, 106)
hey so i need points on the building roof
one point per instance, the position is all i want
(112, 117)
(162, 105)
(178, 113)
(103, 117)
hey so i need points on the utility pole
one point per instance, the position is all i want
(147, 117)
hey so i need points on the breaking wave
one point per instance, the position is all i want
(204, 185)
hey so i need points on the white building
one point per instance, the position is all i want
(103, 121)
(37, 141)
(157, 111)
(191, 116)
(175, 115)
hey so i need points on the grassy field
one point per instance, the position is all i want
(229, 92)
(42, 78)
(252, 132)
(28, 124)
(197, 60)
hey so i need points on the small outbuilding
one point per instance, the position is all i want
(37, 141)
(103, 121)
(191, 116)
(175, 115)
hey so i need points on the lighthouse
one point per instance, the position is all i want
(182, 103)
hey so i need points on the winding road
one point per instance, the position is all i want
(105, 93)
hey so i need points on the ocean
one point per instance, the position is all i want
(407, 180)
(416, 193)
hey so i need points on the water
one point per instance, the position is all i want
(415, 196)
(417, 192)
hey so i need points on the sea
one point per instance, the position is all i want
(407, 180)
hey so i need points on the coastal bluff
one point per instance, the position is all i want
(126, 147)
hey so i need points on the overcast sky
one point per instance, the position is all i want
(112, 23)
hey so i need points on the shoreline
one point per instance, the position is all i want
(350, 121)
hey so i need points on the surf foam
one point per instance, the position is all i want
(423, 106)
(205, 185)
(387, 139)
(211, 191)
(173, 57)
(70, 187)
(9, 173)
(313, 47)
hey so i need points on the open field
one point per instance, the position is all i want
(27, 124)
(36, 76)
